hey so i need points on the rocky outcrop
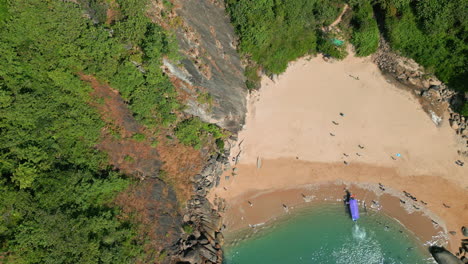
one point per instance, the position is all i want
(210, 64)
(203, 242)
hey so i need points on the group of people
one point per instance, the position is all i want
(344, 154)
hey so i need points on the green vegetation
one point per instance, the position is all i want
(3, 10)
(432, 32)
(365, 36)
(464, 110)
(326, 46)
(205, 98)
(252, 77)
(129, 158)
(139, 137)
(188, 229)
(56, 189)
(274, 33)
(194, 132)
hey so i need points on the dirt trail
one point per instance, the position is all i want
(129, 155)
(338, 20)
(136, 150)
(153, 203)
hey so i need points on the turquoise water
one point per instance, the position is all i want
(326, 235)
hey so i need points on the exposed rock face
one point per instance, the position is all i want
(210, 64)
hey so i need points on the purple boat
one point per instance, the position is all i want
(354, 208)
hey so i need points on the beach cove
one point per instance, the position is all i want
(322, 127)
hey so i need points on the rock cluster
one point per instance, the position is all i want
(459, 124)
(403, 69)
(203, 242)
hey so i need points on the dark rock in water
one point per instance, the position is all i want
(465, 231)
(442, 256)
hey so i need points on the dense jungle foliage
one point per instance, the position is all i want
(274, 32)
(432, 32)
(56, 189)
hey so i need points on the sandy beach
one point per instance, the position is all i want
(342, 124)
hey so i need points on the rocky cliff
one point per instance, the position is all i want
(210, 81)
(209, 74)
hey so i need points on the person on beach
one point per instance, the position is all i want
(250, 203)
(335, 123)
(331, 134)
(354, 77)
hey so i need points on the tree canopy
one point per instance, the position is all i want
(56, 188)
(277, 32)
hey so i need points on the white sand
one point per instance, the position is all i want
(292, 117)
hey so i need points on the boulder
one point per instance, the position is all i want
(192, 256)
(186, 218)
(442, 256)
(435, 82)
(204, 241)
(465, 231)
(209, 254)
(220, 238)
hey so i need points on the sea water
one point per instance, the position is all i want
(326, 234)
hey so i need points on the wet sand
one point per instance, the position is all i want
(295, 136)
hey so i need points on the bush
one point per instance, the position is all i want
(433, 33)
(188, 229)
(56, 188)
(325, 46)
(193, 132)
(464, 110)
(365, 36)
(3, 9)
(252, 77)
(274, 33)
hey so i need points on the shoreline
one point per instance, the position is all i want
(242, 218)
(344, 122)
(325, 182)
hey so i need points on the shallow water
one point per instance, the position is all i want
(325, 234)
